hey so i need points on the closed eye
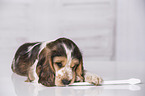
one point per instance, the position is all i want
(59, 64)
(74, 67)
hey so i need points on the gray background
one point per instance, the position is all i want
(110, 34)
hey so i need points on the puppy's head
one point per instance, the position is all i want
(64, 60)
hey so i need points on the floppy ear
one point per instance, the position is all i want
(80, 72)
(45, 69)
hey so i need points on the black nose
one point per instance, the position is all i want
(66, 82)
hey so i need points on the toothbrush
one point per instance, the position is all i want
(131, 81)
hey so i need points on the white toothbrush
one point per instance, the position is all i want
(131, 81)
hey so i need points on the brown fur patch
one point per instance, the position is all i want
(80, 71)
(45, 69)
(24, 60)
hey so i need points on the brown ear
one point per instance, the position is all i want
(45, 69)
(80, 71)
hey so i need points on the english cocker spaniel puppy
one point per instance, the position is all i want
(53, 63)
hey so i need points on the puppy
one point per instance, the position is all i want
(53, 63)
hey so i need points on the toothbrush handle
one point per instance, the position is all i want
(116, 82)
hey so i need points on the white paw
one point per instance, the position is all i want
(93, 78)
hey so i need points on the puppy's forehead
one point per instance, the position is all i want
(68, 51)
(59, 51)
(65, 47)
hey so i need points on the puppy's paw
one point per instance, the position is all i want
(93, 78)
(96, 80)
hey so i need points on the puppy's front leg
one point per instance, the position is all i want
(92, 78)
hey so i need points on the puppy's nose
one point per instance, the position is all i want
(66, 82)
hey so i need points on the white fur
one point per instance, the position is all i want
(31, 47)
(33, 68)
(67, 67)
(92, 78)
(68, 53)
